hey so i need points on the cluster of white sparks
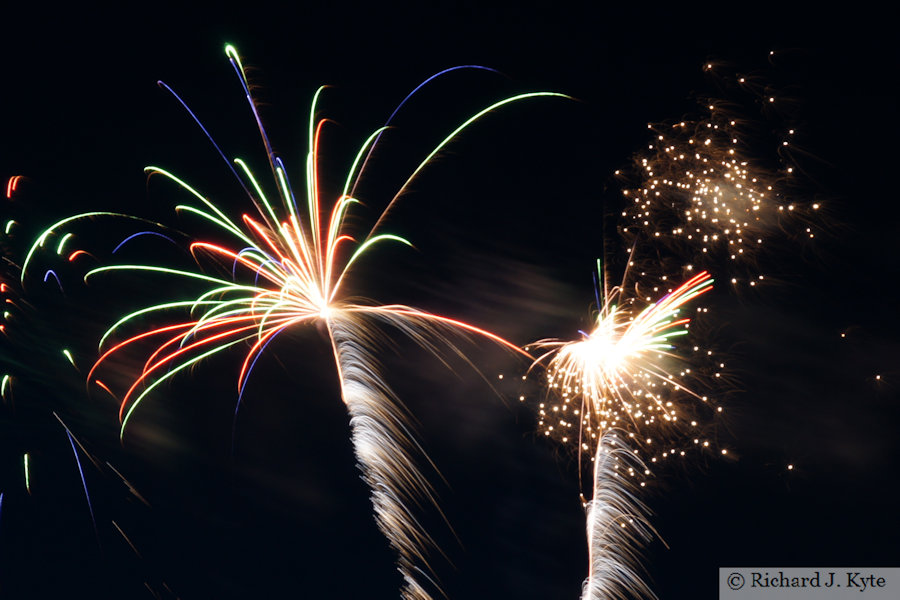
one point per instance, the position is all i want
(623, 373)
(698, 190)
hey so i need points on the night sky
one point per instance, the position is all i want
(507, 224)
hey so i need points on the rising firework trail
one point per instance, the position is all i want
(612, 391)
(289, 264)
(617, 523)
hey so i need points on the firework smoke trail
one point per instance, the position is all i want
(617, 524)
(612, 381)
(296, 270)
(382, 444)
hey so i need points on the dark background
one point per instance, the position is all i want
(507, 224)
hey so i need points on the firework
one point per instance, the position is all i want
(36, 388)
(613, 390)
(289, 268)
(700, 192)
(21, 344)
(617, 525)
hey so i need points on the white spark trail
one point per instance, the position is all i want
(617, 526)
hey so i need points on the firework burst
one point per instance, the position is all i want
(616, 375)
(699, 194)
(613, 391)
(39, 400)
(289, 268)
